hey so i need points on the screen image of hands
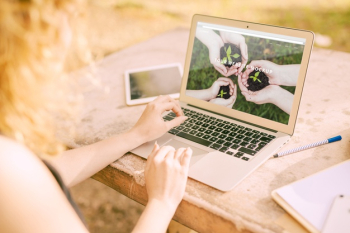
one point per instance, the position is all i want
(214, 42)
(260, 73)
(282, 75)
(212, 94)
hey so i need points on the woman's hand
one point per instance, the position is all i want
(166, 175)
(238, 40)
(151, 125)
(226, 102)
(215, 87)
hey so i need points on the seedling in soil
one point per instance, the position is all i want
(257, 80)
(224, 92)
(255, 77)
(228, 55)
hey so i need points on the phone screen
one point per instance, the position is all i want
(151, 83)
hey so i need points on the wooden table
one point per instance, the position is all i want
(324, 112)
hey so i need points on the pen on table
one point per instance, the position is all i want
(287, 152)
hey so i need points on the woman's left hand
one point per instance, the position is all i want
(151, 125)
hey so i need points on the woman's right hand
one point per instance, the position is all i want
(166, 175)
(151, 125)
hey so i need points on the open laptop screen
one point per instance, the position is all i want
(246, 70)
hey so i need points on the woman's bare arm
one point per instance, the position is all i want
(30, 198)
(79, 164)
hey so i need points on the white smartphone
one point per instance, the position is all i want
(338, 220)
(144, 84)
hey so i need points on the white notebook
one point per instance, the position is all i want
(309, 200)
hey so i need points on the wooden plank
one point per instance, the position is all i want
(187, 214)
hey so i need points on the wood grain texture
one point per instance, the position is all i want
(187, 214)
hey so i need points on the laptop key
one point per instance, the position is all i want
(237, 141)
(248, 129)
(240, 136)
(167, 118)
(172, 114)
(199, 134)
(213, 139)
(239, 154)
(226, 122)
(199, 123)
(243, 143)
(256, 136)
(180, 127)
(254, 141)
(186, 130)
(223, 149)
(206, 136)
(255, 131)
(241, 131)
(212, 127)
(251, 146)
(194, 139)
(173, 131)
(205, 125)
(201, 129)
(258, 148)
(248, 133)
(247, 139)
(233, 134)
(234, 146)
(215, 134)
(215, 146)
(219, 120)
(229, 152)
(265, 139)
(220, 141)
(271, 136)
(262, 144)
(222, 136)
(193, 132)
(218, 129)
(195, 127)
(189, 125)
(192, 121)
(227, 127)
(263, 134)
(220, 124)
(229, 139)
(247, 151)
(208, 131)
(228, 144)
(225, 131)
(245, 158)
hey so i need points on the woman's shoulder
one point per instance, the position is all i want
(15, 154)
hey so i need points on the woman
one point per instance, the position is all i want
(35, 37)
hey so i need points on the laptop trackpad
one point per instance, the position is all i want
(196, 155)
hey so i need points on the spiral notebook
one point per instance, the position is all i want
(310, 199)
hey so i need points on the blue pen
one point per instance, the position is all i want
(287, 152)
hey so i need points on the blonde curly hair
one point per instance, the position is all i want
(32, 81)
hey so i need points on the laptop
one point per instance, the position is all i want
(236, 122)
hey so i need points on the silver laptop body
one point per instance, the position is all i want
(225, 161)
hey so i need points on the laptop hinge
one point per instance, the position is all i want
(258, 126)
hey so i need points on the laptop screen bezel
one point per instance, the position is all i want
(246, 117)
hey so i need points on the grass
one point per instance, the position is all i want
(202, 73)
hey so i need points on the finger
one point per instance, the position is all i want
(240, 84)
(186, 158)
(221, 82)
(227, 80)
(170, 155)
(235, 93)
(175, 122)
(179, 152)
(152, 154)
(221, 68)
(177, 108)
(162, 152)
(244, 52)
(232, 71)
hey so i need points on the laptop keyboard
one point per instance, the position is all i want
(235, 140)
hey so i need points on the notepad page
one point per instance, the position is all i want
(313, 196)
